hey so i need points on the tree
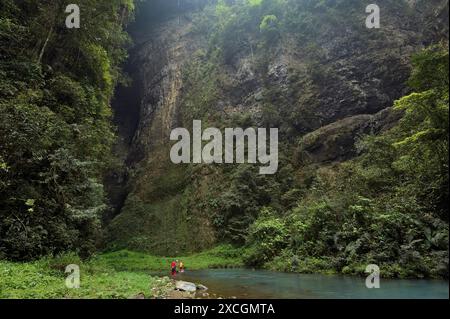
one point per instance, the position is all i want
(55, 129)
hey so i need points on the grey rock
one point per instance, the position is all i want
(185, 286)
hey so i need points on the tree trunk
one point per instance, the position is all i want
(41, 54)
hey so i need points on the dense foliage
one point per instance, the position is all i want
(55, 127)
(388, 207)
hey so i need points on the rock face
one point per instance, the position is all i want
(153, 202)
(335, 142)
(161, 60)
(323, 96)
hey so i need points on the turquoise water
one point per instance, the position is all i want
(243, 283)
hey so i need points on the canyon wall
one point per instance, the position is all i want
(324, 85)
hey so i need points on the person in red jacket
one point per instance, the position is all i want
(173, 265)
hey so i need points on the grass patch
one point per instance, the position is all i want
(224, 256)
(115, 275)
(38, 280)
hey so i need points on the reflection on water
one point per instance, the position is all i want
(243, 283)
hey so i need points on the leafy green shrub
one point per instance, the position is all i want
(269, 27)
(267, 237)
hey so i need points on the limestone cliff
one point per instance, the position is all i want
(324, 89)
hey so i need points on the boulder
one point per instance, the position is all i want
(185, 286)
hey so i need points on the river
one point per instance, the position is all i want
(252, 284)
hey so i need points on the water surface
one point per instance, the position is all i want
(244, 283)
